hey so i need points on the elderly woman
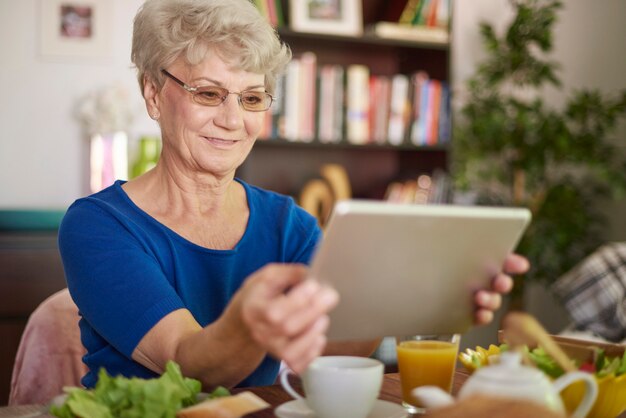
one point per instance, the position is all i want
(188, 263)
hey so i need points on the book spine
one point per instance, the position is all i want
(382, 110)
(339, 126)
(292, 101)
(278, 108)
(408, 14)
(357, 104)
(398, 109)
(307, 94)
(445, 123)
(325, 104)
(419, 79)
(422, 121)
(434, 112)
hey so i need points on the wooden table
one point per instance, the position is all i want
(390, 391)
(274, 395)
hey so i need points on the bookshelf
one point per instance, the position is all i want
(286, 165)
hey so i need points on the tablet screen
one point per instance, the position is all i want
(405, 269)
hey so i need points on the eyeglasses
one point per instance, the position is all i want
(250, 100)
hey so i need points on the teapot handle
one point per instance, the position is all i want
(591, 390)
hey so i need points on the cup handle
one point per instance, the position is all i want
(284, 382)
(591, 391)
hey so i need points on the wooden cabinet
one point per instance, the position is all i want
(285, 166)
(30, 271)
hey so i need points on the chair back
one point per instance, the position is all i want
(50, 352)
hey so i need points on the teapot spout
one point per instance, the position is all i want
(432, 397)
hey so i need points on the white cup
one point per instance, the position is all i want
(339, 386)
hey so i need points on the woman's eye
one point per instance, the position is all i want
(252, 98)
(210, 94)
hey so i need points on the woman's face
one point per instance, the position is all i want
(208, 139)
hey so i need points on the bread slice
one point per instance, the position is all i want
(227, 407)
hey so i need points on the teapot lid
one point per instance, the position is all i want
(511, 371)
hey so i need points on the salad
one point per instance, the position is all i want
(126, 397)
(601, 365)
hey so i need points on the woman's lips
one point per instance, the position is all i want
(221, 142)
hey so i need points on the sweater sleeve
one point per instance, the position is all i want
(113, 275)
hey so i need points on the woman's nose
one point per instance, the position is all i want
(230, 113)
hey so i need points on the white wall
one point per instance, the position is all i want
(43, 153)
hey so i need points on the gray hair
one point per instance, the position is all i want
(167, 29)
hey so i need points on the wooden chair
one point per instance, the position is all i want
(49, 356)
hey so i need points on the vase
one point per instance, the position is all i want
(108, 159)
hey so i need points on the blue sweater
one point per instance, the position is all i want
(126, 271)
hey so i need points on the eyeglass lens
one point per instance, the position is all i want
(254, 101)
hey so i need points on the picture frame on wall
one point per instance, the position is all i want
(336, 17)
(76, 28)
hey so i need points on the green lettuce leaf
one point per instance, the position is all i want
(134, 397)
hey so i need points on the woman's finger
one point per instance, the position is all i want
(502, 284)
(516, 264)
(488, 300)
(303, 314)
(304, 348)
(483, 316)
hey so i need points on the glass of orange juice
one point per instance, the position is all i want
(426, 360)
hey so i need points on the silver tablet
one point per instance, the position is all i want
(403, 269)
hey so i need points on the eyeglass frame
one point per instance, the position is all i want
(194, 92)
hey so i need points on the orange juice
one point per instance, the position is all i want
(425, 363)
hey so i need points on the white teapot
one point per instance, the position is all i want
(511, 379)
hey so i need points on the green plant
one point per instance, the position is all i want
(512, 149)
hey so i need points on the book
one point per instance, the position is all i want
(433, 35)
(420, 137)
(380, 104)
(399, 110)
(330, 104)
(307, 96)
(263, 9)
(392, 10)
(431, 16)
(443, 14)
(324, 103)
(278, 108)
(434, 107)
(339, 114)
(418, 80)
(421, 13)
(445, 122)
(292, 102)
(357, 104)
(409, 12)
(280, 17)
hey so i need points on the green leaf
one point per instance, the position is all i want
(622, 367)
(122, 397)
(545, 363)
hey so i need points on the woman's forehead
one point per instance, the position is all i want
(215, 67)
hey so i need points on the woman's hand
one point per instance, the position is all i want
(286, 314)
(489, 301)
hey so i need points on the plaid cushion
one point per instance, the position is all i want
(594, 292)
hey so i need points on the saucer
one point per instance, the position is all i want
(299, 409)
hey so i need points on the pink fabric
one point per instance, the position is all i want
(49, 356)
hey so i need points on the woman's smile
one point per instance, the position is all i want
(221, 142)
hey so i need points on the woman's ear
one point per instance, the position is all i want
(151, 97)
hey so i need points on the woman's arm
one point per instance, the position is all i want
(276, 311)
